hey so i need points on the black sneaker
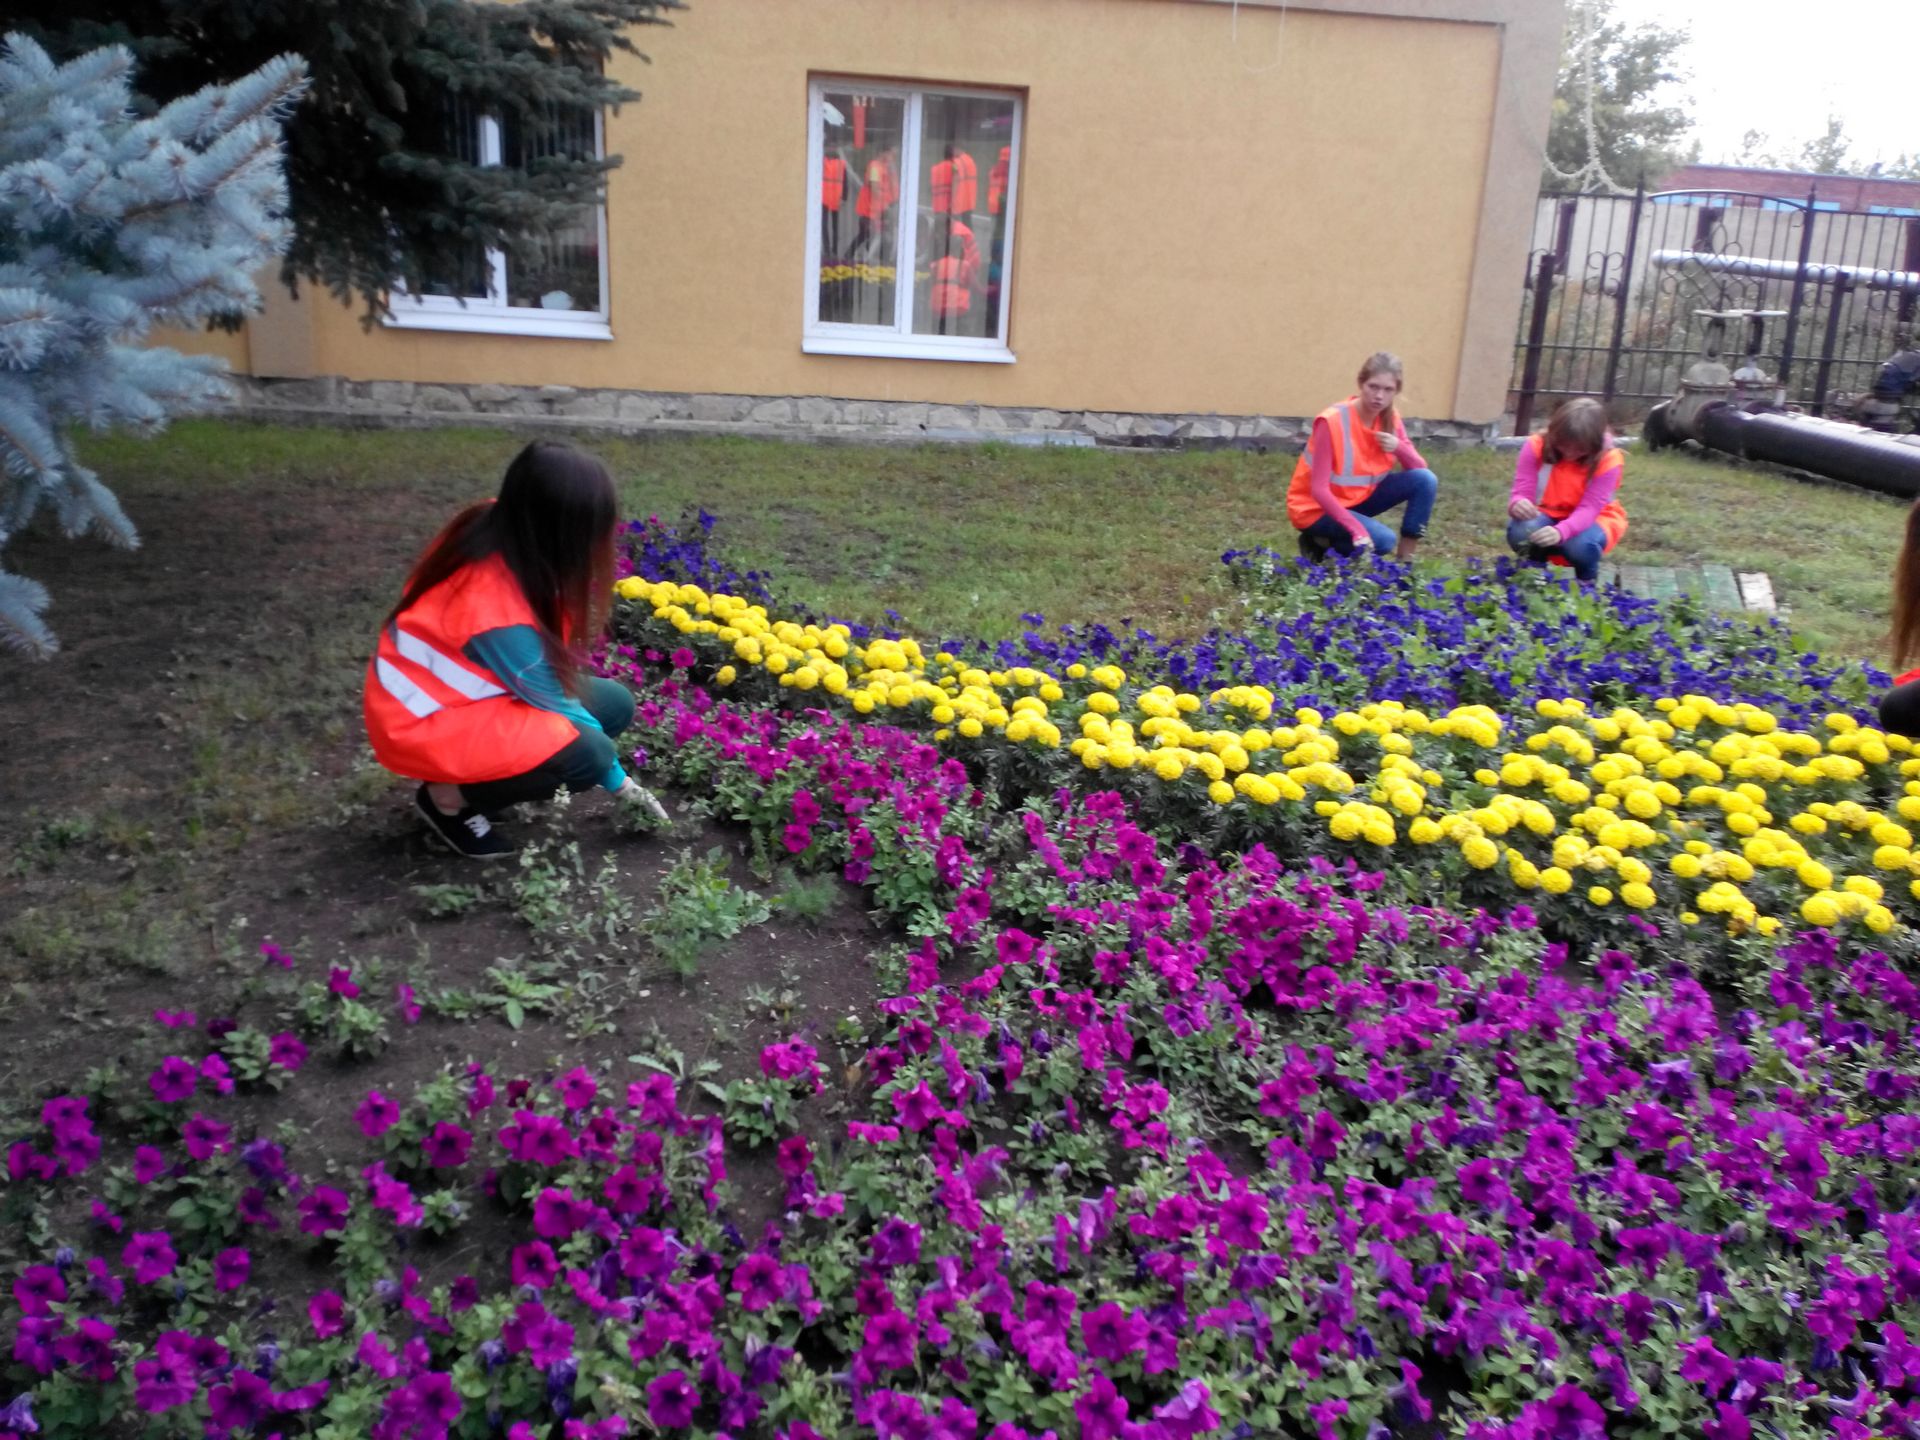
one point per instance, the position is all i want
(469, 833)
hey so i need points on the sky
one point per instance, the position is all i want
(1783, 66)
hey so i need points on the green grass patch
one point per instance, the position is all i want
(962, 540)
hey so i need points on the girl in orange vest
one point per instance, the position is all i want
(1571, 512)
(1358, 464)
(1900, 706)
(476, 687)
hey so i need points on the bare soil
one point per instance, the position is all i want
(188, 776)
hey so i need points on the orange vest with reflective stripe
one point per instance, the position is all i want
(1359, 463)
(997, 180)
(954, 272)
(833, 182)
(882, 189)
(1566, 483)
(433, 714)
(956, 187)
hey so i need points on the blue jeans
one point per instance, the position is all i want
(1413, 488)
(1583, 551)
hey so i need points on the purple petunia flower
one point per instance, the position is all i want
(671, 1400)
(447, 1145)
(174, 1081)
(149, 1255)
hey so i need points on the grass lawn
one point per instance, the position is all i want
(963, 541)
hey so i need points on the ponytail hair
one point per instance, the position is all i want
(553, 527)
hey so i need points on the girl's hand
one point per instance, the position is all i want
(1522, 510)
(1389, 441)
(1546, 537)
(643, 799)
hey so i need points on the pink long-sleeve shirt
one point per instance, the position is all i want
(1600, 489)
(1320, 478)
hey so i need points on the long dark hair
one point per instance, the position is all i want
(1906, 595)
(553, 526)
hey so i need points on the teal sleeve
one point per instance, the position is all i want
(514, 654)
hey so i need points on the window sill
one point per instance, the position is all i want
(895, 348)
(473, 321)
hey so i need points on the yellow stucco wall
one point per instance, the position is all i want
(230, 345)
(1202, 226)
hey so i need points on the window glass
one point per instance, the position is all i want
(561, 269)
(862, 138)
(965, 150)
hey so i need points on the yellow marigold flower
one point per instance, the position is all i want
(1571, 792)
(725, 675)
(1220, 793)
(1841, 724)
(1600, 895)
(1102, 703)
(1742, 824)
(1076, 671)
(1687, 917)
(1863, 885)
(1481, 853)
(1326, 807)
(1891, 857)
(1642, 804)
(863, 705)
(1486, 777)
(969, 727)
(1878, 919)
(1767, 924)
(1819, 910)
(1638, 895)
(1555, 881)
(1169, 767)
(1425, 832)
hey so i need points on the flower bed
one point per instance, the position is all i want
(1187, 1113)
(1693, 808)
(1152, 1145)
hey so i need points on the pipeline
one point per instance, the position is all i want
(1865, 277)
(1758, 431)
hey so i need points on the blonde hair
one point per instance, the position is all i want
(1384, 362)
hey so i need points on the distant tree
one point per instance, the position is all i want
(1826, 153)
(380, 187)
(1611, 73)
(109, 226)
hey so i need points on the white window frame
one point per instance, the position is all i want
(898, 341)
(492, 315)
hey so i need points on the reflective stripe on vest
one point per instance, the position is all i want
(394, 681)
(1346, 475)
(443, 667)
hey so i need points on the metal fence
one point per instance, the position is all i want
(1614, 282)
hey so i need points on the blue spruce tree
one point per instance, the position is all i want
(109, 226)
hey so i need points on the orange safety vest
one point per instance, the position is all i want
(997, 180)
(1566, 483)
(953, 274)
(882, 189)
(833, 182)
(956, 187)
(1359, 464)
(433, 714)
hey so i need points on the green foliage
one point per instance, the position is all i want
(375, 193)
(1622, 69)
(696, 908)
(802, 896)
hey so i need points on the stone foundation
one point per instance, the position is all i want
(811, 417)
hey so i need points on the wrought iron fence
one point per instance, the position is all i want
(1614, 283)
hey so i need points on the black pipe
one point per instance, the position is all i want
(1887, 463)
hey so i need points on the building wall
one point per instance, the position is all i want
(1222, 208)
